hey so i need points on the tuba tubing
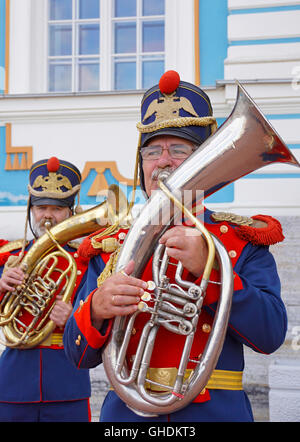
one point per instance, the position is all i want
(244, 143)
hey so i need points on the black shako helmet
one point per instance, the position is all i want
(53, 182)
(174, 107)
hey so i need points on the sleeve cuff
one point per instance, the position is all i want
(83, 319)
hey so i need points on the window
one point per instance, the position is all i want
(74, 42)
(138, 43)
(121, 41)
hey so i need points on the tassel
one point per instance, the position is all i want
(271, 234)
(78, 208)
(11, 262)
(86, 248)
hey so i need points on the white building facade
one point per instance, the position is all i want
(72, 75)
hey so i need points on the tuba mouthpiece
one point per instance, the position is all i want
(47, 224)
(163, 175)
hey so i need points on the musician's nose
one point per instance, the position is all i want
(165, 159)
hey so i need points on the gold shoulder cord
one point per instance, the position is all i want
(12, 245)
(109, 268)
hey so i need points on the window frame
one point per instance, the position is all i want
(138, 55)
(75, 57)
(179, 44)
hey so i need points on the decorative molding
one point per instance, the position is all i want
(100, 184)
(261, 59)
(247, 5)
(100, 106)
(273, 96)
(13, 162)
(197, 43)
(7, 40)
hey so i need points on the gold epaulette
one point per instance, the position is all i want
(232, 218)
(259, 229)
(12, 245)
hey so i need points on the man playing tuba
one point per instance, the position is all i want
(39, 384)
(176, 118)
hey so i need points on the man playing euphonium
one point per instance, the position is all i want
(176, 118)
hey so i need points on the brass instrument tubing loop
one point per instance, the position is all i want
(34, 296)
(199, 226)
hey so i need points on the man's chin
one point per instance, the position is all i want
(40, 231)
(154, 186)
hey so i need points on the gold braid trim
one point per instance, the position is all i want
(58, 195)
(109, 268)
(110, 230)
(12, 262)
(178, 122)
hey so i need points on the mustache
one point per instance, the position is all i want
(159, 170)
(49, 221)
(39, 227)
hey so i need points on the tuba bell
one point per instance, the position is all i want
(24, 313)
(244, 143)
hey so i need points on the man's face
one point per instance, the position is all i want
(52, 214)
(152, 167)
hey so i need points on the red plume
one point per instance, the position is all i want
(53, 164)
(169, 82)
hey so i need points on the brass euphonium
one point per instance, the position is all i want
(243, 144)
(24, 313)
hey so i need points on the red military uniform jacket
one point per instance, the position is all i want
(256, 308)
(43, 373)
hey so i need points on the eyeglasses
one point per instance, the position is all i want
(177, 151)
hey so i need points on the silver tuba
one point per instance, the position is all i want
(244, 143)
